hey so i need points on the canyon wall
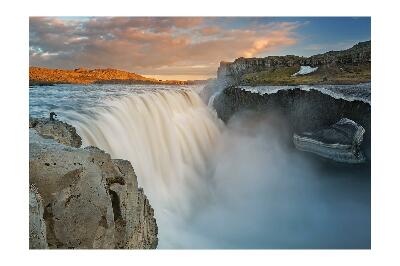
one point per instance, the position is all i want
(302, 110)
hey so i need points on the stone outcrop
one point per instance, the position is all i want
(340, 67)
(303, 110)
(57, 130)
(40, 76)
(88, 199)
(37, 226)
(146, 232)
(340, 142)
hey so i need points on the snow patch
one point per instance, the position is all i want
(305, 70)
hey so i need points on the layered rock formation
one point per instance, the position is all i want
(339, 142)
(81, 197)
(303, 110)
(235, 89)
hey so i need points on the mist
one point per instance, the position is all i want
(268, 195)
(234, 185)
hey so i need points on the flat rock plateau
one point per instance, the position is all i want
(40, 76)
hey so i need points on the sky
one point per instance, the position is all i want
(183, 47)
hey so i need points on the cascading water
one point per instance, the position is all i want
(212, 98)
(169, 136)
(238, 185)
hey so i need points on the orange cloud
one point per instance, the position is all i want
(210, 30)
(153, 46)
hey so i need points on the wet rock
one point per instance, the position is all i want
(340, 142)
(300, 110)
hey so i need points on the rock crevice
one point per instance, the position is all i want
(82, 197)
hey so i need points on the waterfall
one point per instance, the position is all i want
(212, 97)
(237, 185)
(169, 136)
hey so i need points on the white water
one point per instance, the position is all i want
(216, 186)
(212, 98)
(169, 137)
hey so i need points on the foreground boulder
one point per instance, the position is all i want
(37, 226)
(84, 198)
(57, 130)
(340, 142)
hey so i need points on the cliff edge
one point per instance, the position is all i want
(80, 197)
(302, 110)
(351, 66)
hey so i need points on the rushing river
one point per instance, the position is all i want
(214, 185)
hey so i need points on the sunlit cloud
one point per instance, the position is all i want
(152, 46)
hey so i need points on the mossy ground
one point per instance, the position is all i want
(335, 74)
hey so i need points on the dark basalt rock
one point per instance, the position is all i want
(303, 110)
(340, 142)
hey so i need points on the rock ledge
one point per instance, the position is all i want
(80, 197)
(340, 142)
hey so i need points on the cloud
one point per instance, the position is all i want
(210, 30)
(151, 45)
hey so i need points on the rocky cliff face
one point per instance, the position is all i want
(335, 67)
(340, 142)
(80, 197)
(37, 225)
(302, 110)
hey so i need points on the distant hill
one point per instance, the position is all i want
(349, 66)
(46, 76)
